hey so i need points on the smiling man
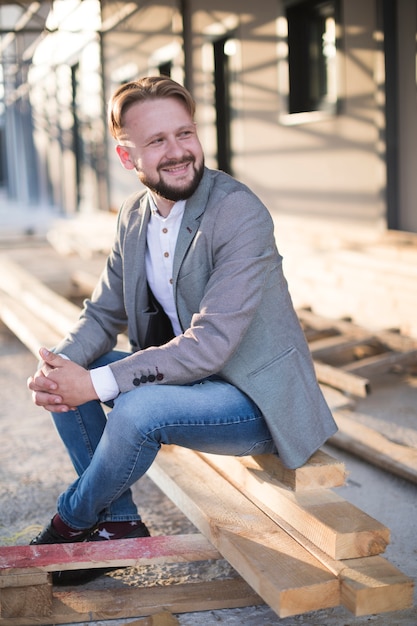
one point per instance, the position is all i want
(161, 144)
(219, 362)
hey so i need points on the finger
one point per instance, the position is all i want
(41, 383)
(60, 408)
(41, 398)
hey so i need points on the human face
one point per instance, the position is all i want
(160, 142)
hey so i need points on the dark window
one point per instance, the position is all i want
(222, 103)
(165, 68)
(311, 55)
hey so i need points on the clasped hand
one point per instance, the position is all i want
(60, 385)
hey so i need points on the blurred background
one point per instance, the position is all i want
(312, 103)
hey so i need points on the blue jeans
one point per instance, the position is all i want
(111, 453)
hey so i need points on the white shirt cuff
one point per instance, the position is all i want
(104, 383)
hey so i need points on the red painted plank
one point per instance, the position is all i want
(123, 552)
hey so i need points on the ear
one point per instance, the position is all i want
(125, 158)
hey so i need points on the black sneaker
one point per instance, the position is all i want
(50, 535)
(81, 576)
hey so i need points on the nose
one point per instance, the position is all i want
(174, 149)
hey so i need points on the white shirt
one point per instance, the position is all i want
(161, 240)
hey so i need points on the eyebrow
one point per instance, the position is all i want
(177, 130)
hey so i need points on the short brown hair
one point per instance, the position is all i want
(148, 88)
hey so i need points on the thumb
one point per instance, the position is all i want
(49, 357)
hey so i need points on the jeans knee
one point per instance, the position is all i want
(134, 421)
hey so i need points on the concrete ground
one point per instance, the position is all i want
(34, 469)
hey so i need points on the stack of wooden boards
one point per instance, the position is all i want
(298, 545)
(348, 357)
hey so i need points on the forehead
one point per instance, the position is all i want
(154, 116)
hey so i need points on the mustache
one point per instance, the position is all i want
(175, 162)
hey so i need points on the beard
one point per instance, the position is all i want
(177, 192)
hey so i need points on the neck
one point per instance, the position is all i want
(163, 205)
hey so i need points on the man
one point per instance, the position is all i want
(219, 362)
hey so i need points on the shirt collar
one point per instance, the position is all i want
(177, 208)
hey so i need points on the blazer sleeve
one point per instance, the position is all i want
(104, 316)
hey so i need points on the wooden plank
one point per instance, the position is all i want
(284, 574)
(381, 363)
(391, 339)
(334, 525)
(23, 577)
(335, 326)
(86, 606)
(391, 590)
(336, 347)
(32, 331)
(369, 585)
(393, 348)
(54, 309)
(321, 470)
(37, 315)
(164, 618)
(123, 553)
(345, 381)
(26, 602)
(373, 446)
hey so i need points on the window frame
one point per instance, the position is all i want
(289, 64)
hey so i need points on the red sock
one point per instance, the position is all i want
(63, 529)
(115, 530)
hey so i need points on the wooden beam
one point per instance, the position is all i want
(374, 585)
(26, 596)
(163, 618)
(320, 471)
(368, 585)
(342, 337)
(373, 446)
(121, 553)
(31, 330)
(392, 339)
(345, 381)
(283, 573)
(38, 299)
(381, 363)
(334, 525)
(338, 347)
(29, 602)
(123, 602)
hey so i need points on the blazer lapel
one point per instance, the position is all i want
(193, 213)
(135, 269)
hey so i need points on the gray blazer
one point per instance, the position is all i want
(233, 304)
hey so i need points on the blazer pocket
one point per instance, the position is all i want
(275, 362)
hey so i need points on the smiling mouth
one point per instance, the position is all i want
(176, 168)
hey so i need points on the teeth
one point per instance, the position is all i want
(177, 168)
